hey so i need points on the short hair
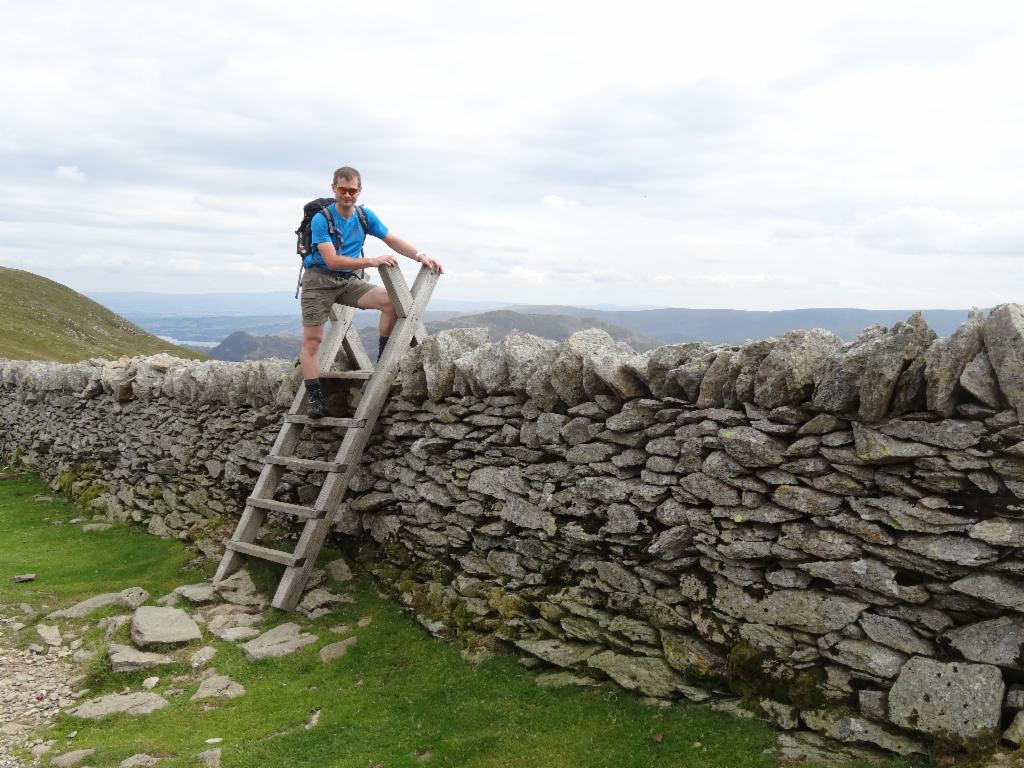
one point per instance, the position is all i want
(345, 172)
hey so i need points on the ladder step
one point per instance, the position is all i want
(326, 421)
(266, 553)
(303, 513)
(310, 464)
(358, 375)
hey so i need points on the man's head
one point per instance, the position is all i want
(346, 185)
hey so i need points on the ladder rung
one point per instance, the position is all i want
(358, 375)
(303, 513)
(326, 421)
(310, 464)
(273, 555)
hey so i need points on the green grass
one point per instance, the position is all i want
(399, 698)
(44, 320)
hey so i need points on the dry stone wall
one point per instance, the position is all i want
(830, 531)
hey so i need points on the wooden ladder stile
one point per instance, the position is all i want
(372, 385)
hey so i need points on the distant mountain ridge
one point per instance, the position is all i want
(734, 326)
(241, 346)
(501, 322)
(44, 320)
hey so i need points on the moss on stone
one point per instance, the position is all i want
(90, 493)
(753, 673)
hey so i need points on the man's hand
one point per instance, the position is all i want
(382, 261)
(432, 264)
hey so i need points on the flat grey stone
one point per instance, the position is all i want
(949, 548)
(152, 624)
(867, 656)
(999, 531)
(140, 703)
(806, 609)
(948, 433)
(131, 598)
(282, 640)
(125, 658)
(875, 448)
(49, 634)
(140, 760)
(336, 650)
(806, 500)
(73, 758)
(198, 594)
(319, 602)
(851, 728)
(1000, 590)
(96, 527)
(218, 687)
(209, 758)
(202, 657)
(234, 634)
(21, 578)
(646, 674)
(895, 634)
(959, 701)
(802, 747)
(240, 589)
(556, 652)
(691, 654)
(751, 447)
(996, 641)
(338, 570)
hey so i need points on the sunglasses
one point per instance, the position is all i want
(353, 191)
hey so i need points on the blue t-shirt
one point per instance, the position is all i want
(350, 236)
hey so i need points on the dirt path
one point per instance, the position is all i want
(33, 688)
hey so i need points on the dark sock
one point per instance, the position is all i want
(413, 343)
(380, 348)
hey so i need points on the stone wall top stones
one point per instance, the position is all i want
(884, 372)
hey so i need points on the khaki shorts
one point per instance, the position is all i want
(321, 289)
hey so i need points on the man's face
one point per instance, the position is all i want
(346, 191)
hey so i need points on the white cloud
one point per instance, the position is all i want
(69, 173)
(735, 154)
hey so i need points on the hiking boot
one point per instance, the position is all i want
(315, 405)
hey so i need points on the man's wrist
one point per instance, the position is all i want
(418, 256)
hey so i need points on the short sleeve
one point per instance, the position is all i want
(318, 228)
(376, 226)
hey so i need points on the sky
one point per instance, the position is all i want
(742, 155)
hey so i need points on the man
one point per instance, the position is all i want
(331, 278)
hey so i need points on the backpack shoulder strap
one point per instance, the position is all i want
(363, 221)
(331, 229)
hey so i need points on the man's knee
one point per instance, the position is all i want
(311, 340)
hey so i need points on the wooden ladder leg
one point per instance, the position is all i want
(287, 439)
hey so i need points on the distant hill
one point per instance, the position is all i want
(501, 322)
(247, 346)
(734, 326)
(44, 320)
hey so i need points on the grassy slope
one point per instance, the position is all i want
(44, 320)
(417, 697)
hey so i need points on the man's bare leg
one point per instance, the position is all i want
(378, 298)
(312, 336)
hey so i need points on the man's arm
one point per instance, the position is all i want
(334, 261)
(399, 245)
